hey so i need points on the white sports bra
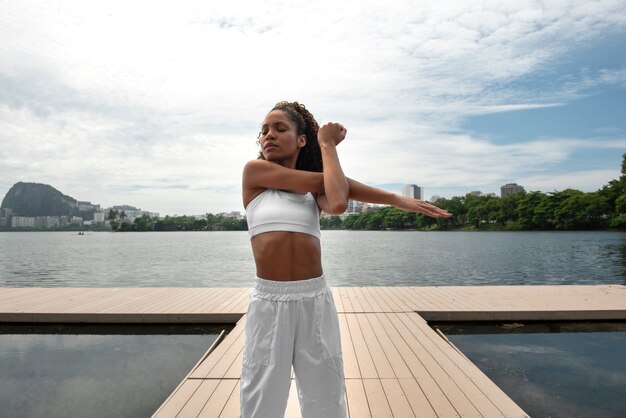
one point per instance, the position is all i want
(276, 210)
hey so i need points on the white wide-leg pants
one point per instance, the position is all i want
(292, 323)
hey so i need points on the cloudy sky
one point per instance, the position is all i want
(157, 105)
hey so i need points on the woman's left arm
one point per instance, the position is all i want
(365, 193)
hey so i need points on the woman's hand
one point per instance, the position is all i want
(419, 206)
(331, 134)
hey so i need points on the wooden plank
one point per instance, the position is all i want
(224, 354)
(440, 403)
(363, 356)
(337, 299)
(229, 359)
(380, 303)
(210, 302)
(238, 304)
(395, 305)
(350, 363)
(217, 402)
(231, 408)
(383, 367)
(357, 402)
(397, 399)
(354, 300)
(345, 300)
(199, 399)
(485, 394)
(399, 367)
(456, 395)
(129, 301)
(16, 298)
(56, 302)
(366, 302)
(377, 399)
(234, 372)
(428, 297)
(417, 399)
(197, 298)
(177, 400)
(442, 352)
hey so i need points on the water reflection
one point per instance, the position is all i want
(121, 371)
(551, 369)
(622, 250)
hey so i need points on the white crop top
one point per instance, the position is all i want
(276, 210)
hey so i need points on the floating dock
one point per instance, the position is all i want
(395, 364)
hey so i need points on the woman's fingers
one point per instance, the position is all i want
(429, 210)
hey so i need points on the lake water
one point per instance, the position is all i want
(350, 258)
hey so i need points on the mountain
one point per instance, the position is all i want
(35, 199)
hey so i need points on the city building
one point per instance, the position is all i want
(87, 206)
(413, 191)
(236, 215)
(99, 217)
(5, 217)
(130, 212)
(510, 188)
(22, 222)
(354, 206)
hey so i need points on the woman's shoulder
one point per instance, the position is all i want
(257, 164)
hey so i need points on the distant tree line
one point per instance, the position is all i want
(559, 210)
(180, 223)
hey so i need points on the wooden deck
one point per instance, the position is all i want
(395, 364)
(228, 305)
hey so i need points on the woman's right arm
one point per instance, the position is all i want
(261, 174)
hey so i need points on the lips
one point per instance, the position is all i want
(268, 147)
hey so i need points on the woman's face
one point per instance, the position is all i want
(279, 138)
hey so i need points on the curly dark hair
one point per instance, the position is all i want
(310, 156)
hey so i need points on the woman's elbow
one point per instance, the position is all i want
(337, 208)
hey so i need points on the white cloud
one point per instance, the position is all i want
(157, 105)
(587, 180)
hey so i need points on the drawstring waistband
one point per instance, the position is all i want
(289, 290)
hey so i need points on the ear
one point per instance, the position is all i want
(301, 141)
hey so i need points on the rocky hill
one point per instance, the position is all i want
(35, 199)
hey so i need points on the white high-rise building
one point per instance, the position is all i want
(413, 191)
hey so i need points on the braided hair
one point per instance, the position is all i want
(310, 156)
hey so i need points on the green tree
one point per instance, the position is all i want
(143, 223)
(620, 204)
(581, 211)
(355, 221)
(456, 206)
(374, 220)
(112, 217)
(392, 218)
(534, 211)
(331, 222)
(509, 205)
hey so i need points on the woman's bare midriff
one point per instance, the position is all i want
(287, 256)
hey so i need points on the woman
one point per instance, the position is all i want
(292, 320)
